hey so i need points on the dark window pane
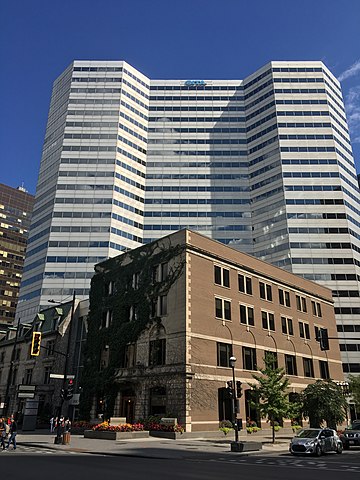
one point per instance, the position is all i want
(262, 290)
(251, 316)
(217, 274)
(271, 322)
(226, 278)
(248, 285)
(227, 310)
(241, 280)
(218, 307)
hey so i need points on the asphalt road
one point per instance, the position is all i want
(30, 465)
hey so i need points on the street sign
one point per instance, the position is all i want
(60, 376)
(26, 395)
(27, 388)
(75, 400)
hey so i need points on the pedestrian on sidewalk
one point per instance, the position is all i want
(13, 433)
(4, 431)
(67, 425)
(52, 423)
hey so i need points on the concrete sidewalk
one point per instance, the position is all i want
(153, 447)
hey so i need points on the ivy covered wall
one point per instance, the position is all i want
(119, 284)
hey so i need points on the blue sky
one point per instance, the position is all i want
(163, 39)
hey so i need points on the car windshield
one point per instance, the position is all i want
(308, 433)
(355, 426)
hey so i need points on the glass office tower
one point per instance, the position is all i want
(262, 164)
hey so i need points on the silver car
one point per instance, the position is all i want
(316, 441)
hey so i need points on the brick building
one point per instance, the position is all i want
(166, 317)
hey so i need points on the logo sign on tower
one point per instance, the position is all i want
(195, 83)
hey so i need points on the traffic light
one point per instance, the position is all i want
(324, 339)
(229, 389)
(238, 389)
(35, 344)
(70, 389)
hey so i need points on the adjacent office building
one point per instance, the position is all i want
(263, 165)
(15, 213)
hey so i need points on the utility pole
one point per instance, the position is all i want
(58, 438)
(11, 368)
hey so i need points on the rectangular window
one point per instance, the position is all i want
(308, 367)
(268, 321)
(284, 297)
(301, 303)
(304, 330)
(272, 356)
(163, 305)
(47, 372)
(287, 326)
(221, 276)
(164, 271)
(129, 355)
(28, 376)
(157, 352)
(316, 309)
(154, 274)
(324, 369)
(247, 315)
(50, 346)
(245, 284)
(106, 319)
(249, 358)
(222, 309)
(135, 280)
(224, 352)
(265, 291)
(290, 365)
(109, 288)
(133, 314)
(317, 333)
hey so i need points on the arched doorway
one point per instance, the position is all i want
(127, 408)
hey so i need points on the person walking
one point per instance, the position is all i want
(52, 424)
(13, 433)
(4, 430)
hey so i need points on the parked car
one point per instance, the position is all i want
(315, 441)
(351, 435)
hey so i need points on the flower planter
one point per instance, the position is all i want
(170, 435)
(109, 435)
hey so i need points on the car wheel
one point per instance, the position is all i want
(318, 451)
(339, 448)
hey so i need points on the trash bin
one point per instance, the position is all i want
(66, 438)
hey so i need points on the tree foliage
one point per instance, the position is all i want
(324, 401)
(271, 392)
(354, 388)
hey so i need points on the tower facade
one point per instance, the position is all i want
(15, 213)
(262, 164)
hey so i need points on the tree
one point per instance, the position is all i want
(271, 392)
(324, 401)
(354, 389)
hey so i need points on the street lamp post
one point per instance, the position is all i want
(65, 372)
(232, 362)
(345, 391)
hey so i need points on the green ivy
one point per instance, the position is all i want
(121, 332)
